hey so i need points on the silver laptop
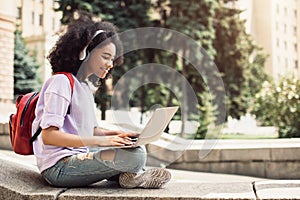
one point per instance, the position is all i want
(154, 127)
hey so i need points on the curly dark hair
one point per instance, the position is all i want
(64, 56)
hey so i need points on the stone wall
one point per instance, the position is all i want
(7, 28)
(4, 137)
(266, 158)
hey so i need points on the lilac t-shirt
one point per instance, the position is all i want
(51, 110)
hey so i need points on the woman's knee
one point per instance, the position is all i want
(110, 154)
(135, 157)
(130, 160)
(137, 153)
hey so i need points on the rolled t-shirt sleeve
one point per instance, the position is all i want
(56, 102)
(55, 110)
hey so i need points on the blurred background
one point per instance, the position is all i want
(254, 44)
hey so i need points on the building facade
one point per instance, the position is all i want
(39, 24)
(7, 27)
(275, 25)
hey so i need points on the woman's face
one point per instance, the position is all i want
(101, 60)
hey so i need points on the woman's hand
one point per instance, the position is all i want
(121, 139)
(101, 132)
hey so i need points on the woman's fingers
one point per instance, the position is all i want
(129, 135)
(117, 140)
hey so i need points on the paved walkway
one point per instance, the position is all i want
(20, 179)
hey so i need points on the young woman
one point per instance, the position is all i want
(69, 126)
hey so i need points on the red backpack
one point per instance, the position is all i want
(20, 123)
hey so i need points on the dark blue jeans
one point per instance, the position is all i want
(84, 169)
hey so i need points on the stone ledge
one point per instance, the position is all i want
(20, 179)
(278, 189)
(174, 190)
(276, 158)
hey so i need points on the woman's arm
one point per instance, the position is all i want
(52, 136)
(102, 132)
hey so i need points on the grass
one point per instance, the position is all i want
(247, 137)
(234, 136)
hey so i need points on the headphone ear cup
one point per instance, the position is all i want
(87, 55)
(82, 54)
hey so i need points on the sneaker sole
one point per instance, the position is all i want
(150, 179)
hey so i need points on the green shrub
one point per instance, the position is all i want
(207, 117)
(279, 105)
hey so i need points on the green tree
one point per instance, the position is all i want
(25, 68)
(194, 19)
(240, 61)
(207, 116)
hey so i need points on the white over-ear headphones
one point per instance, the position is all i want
(82, 54)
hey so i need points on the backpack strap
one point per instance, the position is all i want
(36, 134)
(71, 79)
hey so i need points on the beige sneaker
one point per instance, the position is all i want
(151, 179)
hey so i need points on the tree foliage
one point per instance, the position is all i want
(217, 28)
(123, 13)
(25, 68)
(278, 105)
(240, 61)
(195, 20)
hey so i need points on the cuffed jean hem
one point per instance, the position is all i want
(87, 168)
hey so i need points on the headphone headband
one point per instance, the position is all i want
(82, 54)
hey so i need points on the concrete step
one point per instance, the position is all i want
(20, 179)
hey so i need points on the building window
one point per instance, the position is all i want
(284, 28)
(295, 30)
(19, 14)
(295, 13)
(41, 19)
(296, 47)
(285, 11)
(277, 9)
(277, 42)
(296, 64)
(285, 45)
(32, 18)
(53, 23)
